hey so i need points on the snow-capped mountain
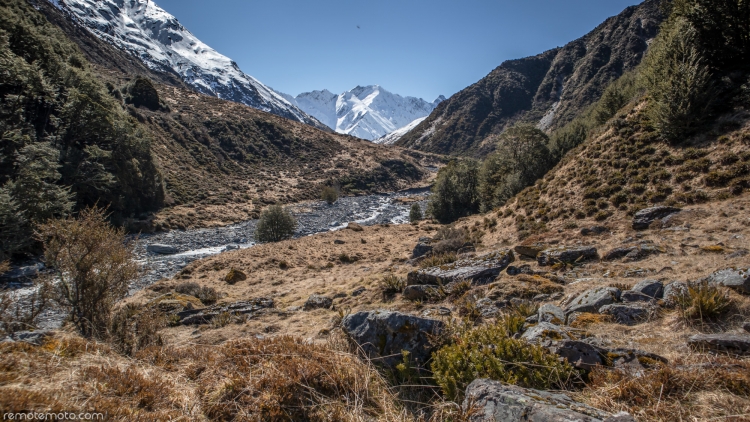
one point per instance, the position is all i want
(394, 136)
(367, 112)
(148, 32)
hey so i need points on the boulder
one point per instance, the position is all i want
(382, 335)
(422, 248)
(737, 344)
(566, 254)
(479, 270)
(420, 292)
(633, 253)
(579, 354)
(205, 315)
(338, 242)
(354, 227)
(628, 313)
(737, 279)
(588, 231)
(492, 401)
(523, 269)
(673, 292)
(629, 296)
(618, 252)
(592, 300)
(530, 250)
(552, 314)
(358, 291)
(317, 302)
(161, 249)
(643, 218)
(746, 327)
(546, 331)
(653, 288)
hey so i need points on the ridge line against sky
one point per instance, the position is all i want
(414, 48)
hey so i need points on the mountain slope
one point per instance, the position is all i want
(367, 112)
(549, 89)
(154, 36)
(394, 136)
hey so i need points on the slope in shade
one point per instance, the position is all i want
(146, 31)
(367, 112)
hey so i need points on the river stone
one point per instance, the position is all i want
(552, 314)
(738, 344)
(592, 300)
(566, 254)
(545, 331)
(673, 292)
(579, 354)
(630, 296)
(737, 279)
(645, 217)
(161, 249)
(382, 335)
(482, 269)
(628, 313)
(492, 401)
(419, 292)
(317, 302)
(653, 288)
(530, 250)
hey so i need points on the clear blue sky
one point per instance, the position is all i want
(422, 48)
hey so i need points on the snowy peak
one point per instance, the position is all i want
(367, 112)
(157, 38)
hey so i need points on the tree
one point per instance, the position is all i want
(329, 194)
(415, 214)
(455, 193)
(15, 234)
(94, 265)
(275, 224)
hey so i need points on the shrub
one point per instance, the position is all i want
(490, 352)
(437, 260)
(207, 295)
(234, 276)
(93, 264)
(703, 302)
(415, 213)
(392, 284)
(141, 92)
(17, 315)
(275, 224)
(329, 194)
(455, 193)
(133, 328)
(450, 239)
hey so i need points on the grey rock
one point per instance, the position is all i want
(588, 231)
(542, 297)
(479, 270)
(746, 327)
(592, 300)
(738, 254)
(673, 292)
(382, 335)
(566, 254)
(32, 337)
(230, 248)
(579, 354)
(642, 252)
(317, 302)
(552, 314)
(620, 417)
(338, 242)
(546, 331)
(492, 401)
(653, 288)
(643, 218)
(421, 249)
(534, 319)
(205, 315)
(737, 279)
(161, 249)
(523, 269)
(420, 292)
(531, 250)
(618, 253)
(633, 296)
(738, 344)
(628, 313)
(339, 295)
(358, 291)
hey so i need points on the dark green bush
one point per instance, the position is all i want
(415, 213)
(275, 224)
(455, 193)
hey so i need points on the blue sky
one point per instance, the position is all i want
(422, 48)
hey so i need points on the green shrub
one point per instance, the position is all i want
(329, 194)
(392, 284)
(275, 224)
(133, 328)
(490, 352)
(415, 213)
(703, 302)
(438, 260)
(142, 92)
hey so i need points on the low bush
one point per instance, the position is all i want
(490, 352)
(207, 295)
(392, 284)
(235, 276)
(133, 328)
(275, 224)
(415, 213)
(329, 194)
(703, 302)
(438, 260)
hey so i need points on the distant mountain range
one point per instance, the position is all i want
(367, 112)
(146, 31)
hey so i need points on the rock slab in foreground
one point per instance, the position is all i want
(483, 268)
(565, 254)
(382, 335)
(493, 401)
(645, 217)
(737, 344)
(592, 300)
(737, 279)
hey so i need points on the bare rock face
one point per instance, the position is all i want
(653, 288)
(643, 218)
(737, 344)
(628, 313)
(382, 335)
(737, 279)
(592, 300)
(566, 254)
(481, 269)
(494, 401)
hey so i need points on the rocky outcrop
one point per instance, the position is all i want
(628, 313)
(579, 354)
(737, 279)
(479, 270)
(643, 218)
(422, 248)
(551, 313)
(317, 302)
(420, 292)
(530, 250)
(673, 292)
(633, 253)
(630, 296)
(736, 344)
(382, 335)
(547, 331)
(567, 255)
(493, 401)
(206, 315)
(652, 288)
(592, 300)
